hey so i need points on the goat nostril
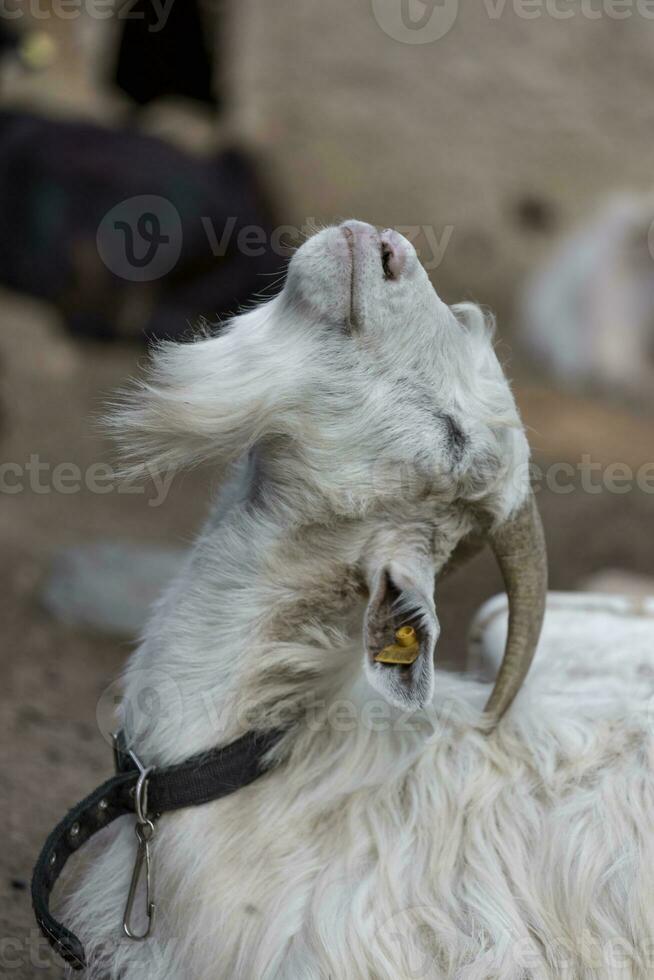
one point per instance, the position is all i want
(392, 255)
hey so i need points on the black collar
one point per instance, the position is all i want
(205, 777)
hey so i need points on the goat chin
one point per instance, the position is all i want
(389, 845)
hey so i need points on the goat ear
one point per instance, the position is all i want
(398, 599)
(208, 400)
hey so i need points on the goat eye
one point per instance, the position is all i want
(386, 254)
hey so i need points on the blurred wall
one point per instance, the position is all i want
(507, 129)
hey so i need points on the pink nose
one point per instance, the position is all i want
(393, 252)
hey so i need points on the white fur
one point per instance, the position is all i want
(389, 821)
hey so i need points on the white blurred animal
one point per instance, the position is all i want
(383, 442)
(587, 316)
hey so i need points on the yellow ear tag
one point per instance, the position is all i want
(404, 651)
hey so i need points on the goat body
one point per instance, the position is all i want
(365, 430)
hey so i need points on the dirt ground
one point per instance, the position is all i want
(53, 675)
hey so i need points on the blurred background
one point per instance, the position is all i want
(159, 161)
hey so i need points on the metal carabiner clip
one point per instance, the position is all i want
(144, 830)
(144, 833)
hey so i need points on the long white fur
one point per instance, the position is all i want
(385, 842)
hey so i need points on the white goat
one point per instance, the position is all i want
(587, 312)
(381, 435)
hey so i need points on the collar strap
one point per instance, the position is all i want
(201, 779)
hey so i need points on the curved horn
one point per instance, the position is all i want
(519, 547)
